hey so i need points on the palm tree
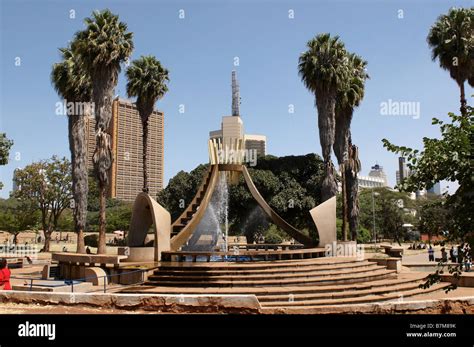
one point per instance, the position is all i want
(451, 40)
(73, 85)
(102, 47)
(323, 70)
(147, 82)
(346, 153)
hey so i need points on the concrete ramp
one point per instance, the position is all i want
(185, 225)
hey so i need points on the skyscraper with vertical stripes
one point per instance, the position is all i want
(125, 177)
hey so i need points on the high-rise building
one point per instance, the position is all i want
(257, 143)
(232, 127)
(125, 176)
(377, 171)
(403, 171)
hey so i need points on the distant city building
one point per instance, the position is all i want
(377, 172)
(435, 190)
(371, 182)
(404, 172)
(257, 143)
(126, 177)
(232, 127)
(14, 185)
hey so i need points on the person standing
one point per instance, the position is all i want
(5, 274)
(444, 255)
(455, 254)
(467, 257)
(430, 254)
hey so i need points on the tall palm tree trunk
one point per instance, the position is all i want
(345, 220)
(144, 153)
(103, 88)
(352, 187)
(341, 149)
(463, 108)
(326, 124)
(77, 146)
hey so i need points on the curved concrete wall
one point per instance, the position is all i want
(146, 211)
(324, 216)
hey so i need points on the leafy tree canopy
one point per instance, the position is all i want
(450, 158)
(5, 145)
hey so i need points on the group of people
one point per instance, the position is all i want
(457, 254)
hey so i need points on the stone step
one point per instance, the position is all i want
(190, 276)
(229, 266)
(290, 299)
(343, 279)
(370, 298)
(178, 271)
(283, 290)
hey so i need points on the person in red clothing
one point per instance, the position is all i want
(4, 275)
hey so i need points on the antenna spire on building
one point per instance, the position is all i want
(235, 95)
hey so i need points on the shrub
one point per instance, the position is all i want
(273, 235)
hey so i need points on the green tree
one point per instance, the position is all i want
(180, 190)
(5, 145)
(446, 158)
(118, 217)
(391, 210)
(323, 70)
(147, 82)
(451, 40)
(66, 220)
(102, 47)
(17, 216)
(432, 217)
(73, 84)
(47, 186)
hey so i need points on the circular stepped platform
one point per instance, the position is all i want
(288, 284)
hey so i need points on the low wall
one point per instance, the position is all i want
(463, 281)
(461, 305)
(235, 304)
(141, 254)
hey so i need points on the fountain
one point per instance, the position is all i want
(212, 232)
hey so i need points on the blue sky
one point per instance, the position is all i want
(199, 52)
